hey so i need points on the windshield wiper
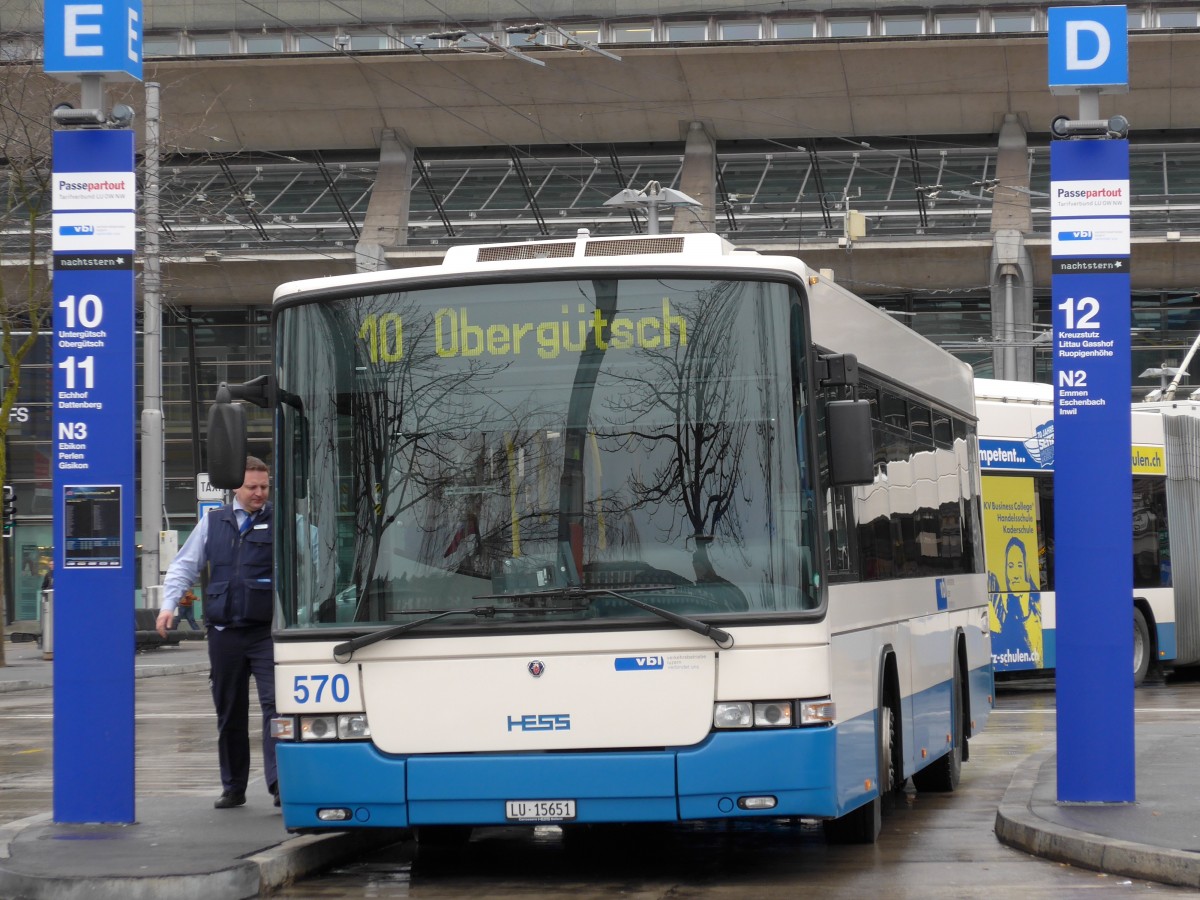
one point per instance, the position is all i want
(723, 639)
(343, 653)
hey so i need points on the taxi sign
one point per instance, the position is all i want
(205, 490)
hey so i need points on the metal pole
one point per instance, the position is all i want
(1010, 334)
(1089, 103)
(651, 193)
(1169, 389)
(91, 91)
(152, 417)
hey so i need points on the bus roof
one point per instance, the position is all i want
(1177, 407)
(1013, 391)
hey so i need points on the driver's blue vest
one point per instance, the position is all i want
(239, 587)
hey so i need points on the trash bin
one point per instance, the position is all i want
(48, 624)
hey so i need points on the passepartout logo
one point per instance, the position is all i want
(93, 190)
(1101, 197)
(92, 187)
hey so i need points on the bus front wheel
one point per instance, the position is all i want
(862, 825)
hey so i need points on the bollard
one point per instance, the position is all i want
(48, 624)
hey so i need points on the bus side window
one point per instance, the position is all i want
(1150, 568)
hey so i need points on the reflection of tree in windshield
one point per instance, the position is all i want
(687, 401)
(401, 410)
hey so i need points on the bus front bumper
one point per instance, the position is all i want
(714, 779)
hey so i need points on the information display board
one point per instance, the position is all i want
(92, 526)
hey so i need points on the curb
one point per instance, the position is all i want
(308, 853)
(139, 672)
(252, 876)
(171, 669)
(7, 686)
(1017, 825)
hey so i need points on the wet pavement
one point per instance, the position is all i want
(181, 847)
(1156, 837)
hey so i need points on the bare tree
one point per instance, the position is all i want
(704, 432)
(26, 97)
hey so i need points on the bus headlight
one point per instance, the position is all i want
(318, 728)
(773, 714)
(739, 714)
(353, 727)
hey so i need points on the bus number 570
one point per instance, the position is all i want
(312, 687)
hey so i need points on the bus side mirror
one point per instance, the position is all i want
(226, 444)
(851, 454)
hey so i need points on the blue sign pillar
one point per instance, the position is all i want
(93, 458)
(1090, 285)
(94, 425)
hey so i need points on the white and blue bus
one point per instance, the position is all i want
(1016, 436)
(643, 529)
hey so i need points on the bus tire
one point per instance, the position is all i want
(1141, 647)
(942, 775)
(863, 825)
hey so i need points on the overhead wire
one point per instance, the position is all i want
(635, 101)
(344, 50)
(463, 25)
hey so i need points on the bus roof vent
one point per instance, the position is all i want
(635, 245)
(547, 250)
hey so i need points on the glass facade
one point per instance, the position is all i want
(770, 193)
(767, 191)
(201, 348)
(825, 23)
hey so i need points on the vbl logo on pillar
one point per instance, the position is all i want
(1089, 47)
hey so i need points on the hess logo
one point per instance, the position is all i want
(540, 722)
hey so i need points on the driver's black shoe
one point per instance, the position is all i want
(230, 799)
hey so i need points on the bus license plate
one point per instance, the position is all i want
(539, 810)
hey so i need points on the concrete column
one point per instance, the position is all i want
(1010, 268)
(699, 181)
(386, 222)
(1012, 306)
(1010, 196)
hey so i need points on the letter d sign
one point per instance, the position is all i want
(1089, 48)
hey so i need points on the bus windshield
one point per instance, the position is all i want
(506, 440)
